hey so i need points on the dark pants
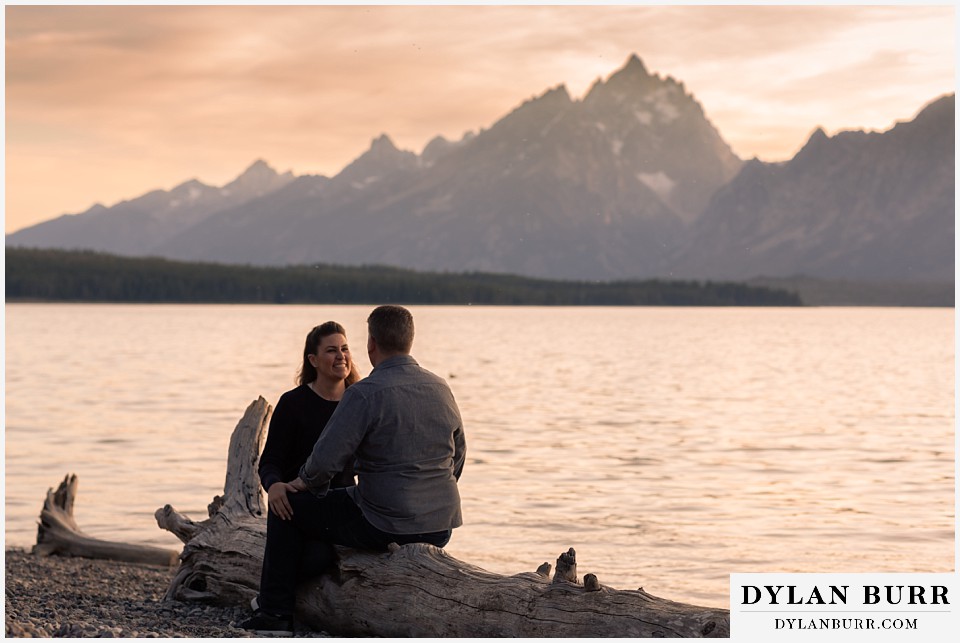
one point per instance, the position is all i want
(303, 546)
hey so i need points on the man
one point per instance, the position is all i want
(402, 429)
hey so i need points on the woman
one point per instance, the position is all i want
(298, 420)
(302, 413)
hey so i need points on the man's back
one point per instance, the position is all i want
(402, 425)
(413, 452)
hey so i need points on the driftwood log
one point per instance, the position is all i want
(58, 533)
(413, 590)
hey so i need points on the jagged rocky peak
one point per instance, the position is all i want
(191, 183)
(558, 93)
(382, 149)
(189, 189)
(632, 70)
(630, 78)
(934, 115)
(633, 97)
(437, 147)
(633, 67)
(95, 208)
(259, 168)
(533, 113)
(937, 107)
(382, 158)
(437, 141)
(551, 100)
(635, 73)
(258, 178)
(440, 146)
(817, 135)
(814, 146)
(382, 145)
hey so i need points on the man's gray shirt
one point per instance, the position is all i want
(403, 427)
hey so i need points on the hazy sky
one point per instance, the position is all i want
(105, 103)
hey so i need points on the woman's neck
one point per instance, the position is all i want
(331, 390)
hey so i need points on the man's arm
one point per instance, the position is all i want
(337, 444)
(459, 446)
(460, 452)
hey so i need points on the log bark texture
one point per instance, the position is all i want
(58, 533)
(415, 590)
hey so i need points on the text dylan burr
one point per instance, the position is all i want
(837, 595)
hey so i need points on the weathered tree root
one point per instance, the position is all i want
(58, 533)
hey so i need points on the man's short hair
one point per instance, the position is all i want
(392, 328)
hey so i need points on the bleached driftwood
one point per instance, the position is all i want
(415, 590)
(58, 533)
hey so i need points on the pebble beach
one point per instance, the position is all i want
(60, 596)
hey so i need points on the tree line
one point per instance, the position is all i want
(88, 276)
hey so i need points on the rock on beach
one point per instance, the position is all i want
(59, 596)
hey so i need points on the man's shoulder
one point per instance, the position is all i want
(399, 373)
(411, 371)
(430, 376)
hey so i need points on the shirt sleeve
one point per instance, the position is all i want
(280, 441)
(459, 450)
(338, 443)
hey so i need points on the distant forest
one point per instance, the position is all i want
(59, 275)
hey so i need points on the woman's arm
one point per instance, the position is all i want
(280, 443)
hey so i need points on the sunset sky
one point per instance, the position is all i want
(104, 103)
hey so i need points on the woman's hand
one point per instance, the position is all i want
(277, 499)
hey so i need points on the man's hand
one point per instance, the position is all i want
(298, 484)
(277, 498)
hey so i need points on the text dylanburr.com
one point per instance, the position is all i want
(844, 607)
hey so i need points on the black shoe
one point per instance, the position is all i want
(264, 624)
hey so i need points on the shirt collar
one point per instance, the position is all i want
(396, 360)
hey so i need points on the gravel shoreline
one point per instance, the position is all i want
(59, 596)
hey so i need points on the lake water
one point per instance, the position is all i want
(669, 446)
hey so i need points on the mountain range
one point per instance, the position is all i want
(631, 181)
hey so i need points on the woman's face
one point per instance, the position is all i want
(332, 359)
